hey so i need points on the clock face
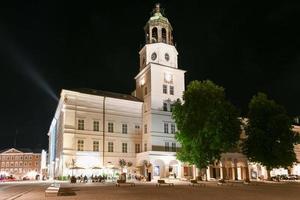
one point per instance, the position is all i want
(153, 56)
(167, 57)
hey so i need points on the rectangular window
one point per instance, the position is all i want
(166, 128)
(137, 129)
(167, 148)
(80, 144)
(124, 128)
(165, 106)
(165, 89)
(171, 90)
(145, 128)
(96, 146)
(145, 146)
(80, 124)
(173, 146)
(137, 148)
(110, 147)
(145, 90)
(173, 128)
(96, 126)
(124, 147)
(110, 127)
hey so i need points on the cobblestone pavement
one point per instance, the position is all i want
(93, 191)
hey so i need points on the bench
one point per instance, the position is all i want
(52, 190)
(163, 182)
(123, 182)
(195, 182)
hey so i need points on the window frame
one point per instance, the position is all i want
(124, 128)
(124, 147)
(96, 146)
(80, 125)
(110, 147)
(110, 127)
(166, 127)
(165, 89)
(96, 125)
(80, 145)
(171, 89)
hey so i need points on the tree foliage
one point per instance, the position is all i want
(270, 139)
(208, 124)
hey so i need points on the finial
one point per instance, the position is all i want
(157, 7)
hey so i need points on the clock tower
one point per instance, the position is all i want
(159, 84)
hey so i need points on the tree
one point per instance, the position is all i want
(122, 164)
(269, 137)
(208, 124)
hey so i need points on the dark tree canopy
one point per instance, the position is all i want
(270, 139)
(208, 124)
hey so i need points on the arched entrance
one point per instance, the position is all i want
(158, 168)
(174, 168)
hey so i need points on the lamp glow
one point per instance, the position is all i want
(142, 82)
(168, 77)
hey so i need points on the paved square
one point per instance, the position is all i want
(90, 191)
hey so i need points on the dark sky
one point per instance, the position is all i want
(245, 46)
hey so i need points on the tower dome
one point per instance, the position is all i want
(158, 28)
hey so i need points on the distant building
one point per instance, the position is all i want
(20, 163)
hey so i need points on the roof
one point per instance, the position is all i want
(107, 94)
(23, 150)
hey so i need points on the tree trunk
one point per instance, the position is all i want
(269, 174)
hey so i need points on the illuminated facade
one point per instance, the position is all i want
(92, 129)
(20, 163)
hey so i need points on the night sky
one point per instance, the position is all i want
(244, 46)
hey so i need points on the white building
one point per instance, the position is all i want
(93, 129)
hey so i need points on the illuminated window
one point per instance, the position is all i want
(165, 89)
(110, 127)
(137, 148)
(80, 124)
(166, 128)
(167, 148)
(96, 126)
(96, 146)
(80, 144)
(124, 147)
(173, 146)
(124, 128)
(171, 90)
(110, 147)
(173, 128)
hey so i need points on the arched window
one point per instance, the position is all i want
(154, 35)
(164, 35)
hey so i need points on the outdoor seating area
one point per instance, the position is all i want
(196, 183)
(162, 182)
(123, 182)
